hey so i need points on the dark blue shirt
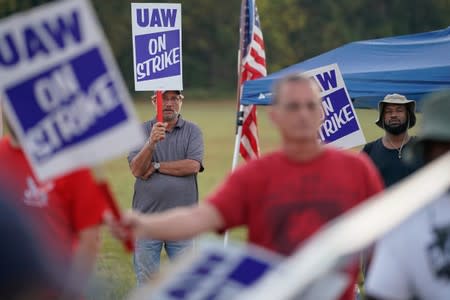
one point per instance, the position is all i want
(391, 167)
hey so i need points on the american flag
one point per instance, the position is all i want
(253, 66)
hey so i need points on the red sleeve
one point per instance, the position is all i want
(231, 198)
(374, 182)
(87, 200)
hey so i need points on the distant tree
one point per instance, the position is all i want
(294, 30)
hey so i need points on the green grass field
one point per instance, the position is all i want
(216, 119)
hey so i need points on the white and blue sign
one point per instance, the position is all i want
(341, 126)
(213, 272)
(157, 47)
(63, 92)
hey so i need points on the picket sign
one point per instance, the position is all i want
(157, 46)
(341, 126)
(63, 92)
(210, 272)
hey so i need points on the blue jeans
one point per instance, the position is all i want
(147, 256)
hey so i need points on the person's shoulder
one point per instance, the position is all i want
(261, 163)
(419, 221)
(191, 125)
(258, 163)
(76, 177)
(10, 152)
(405, 232)
(368, 147)
(350, 158)
(343, 154)
(4, 143)
(376, 141)
(147, 124)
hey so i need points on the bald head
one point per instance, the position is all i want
(294, 79)
(297, 108)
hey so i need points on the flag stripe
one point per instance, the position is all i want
(257, 58)
(253, 67)
(258, 39)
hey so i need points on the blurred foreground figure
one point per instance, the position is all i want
(26, 272)
(283, 197)
(414, 259)
(66, 212)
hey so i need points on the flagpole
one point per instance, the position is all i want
(239, 107)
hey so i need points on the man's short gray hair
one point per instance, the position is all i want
(291, 78)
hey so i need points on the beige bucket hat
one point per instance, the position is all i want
(397, 99)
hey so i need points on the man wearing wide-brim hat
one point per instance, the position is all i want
(413, 260)
(396, 114)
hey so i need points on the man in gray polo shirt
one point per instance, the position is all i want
(165, 168)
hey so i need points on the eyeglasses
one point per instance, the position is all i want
(171, 99)
(295, 106)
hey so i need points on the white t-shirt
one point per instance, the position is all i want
(414, 259)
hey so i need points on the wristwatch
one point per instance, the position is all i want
(156, 166)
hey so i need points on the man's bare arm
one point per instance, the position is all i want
(175, 224)
(179, 223)
(85, 255)
(183, 167)
(141, 163)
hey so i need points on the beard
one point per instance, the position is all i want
(171, 117)
(396, 129)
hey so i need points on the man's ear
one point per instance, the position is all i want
(322, 113)
(272, 113)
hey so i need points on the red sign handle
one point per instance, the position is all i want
(128, 242)
(159, 106)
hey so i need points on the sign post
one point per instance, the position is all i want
(159, 106)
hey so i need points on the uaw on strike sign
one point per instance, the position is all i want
(341, 126)
(157, 49)
(211, 272)
(63, 92)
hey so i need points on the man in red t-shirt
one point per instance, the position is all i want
(284, 197)
(66, 212)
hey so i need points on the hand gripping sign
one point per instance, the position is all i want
(62, 90)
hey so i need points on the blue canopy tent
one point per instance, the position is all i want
(412, 65)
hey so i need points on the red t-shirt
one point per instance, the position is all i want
(60, 208)
(283, 202)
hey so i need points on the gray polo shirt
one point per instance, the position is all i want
(161, 192)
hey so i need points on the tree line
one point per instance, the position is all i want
(294, 30)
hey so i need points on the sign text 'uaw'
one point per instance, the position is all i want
(157, 47)
(64, 95)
